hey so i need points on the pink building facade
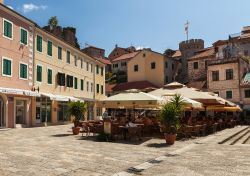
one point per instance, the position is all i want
(16, 68)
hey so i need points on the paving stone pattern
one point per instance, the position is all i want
(54, 151)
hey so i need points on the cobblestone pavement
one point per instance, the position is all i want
(54, 151)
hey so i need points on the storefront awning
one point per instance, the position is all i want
(60, 97)
(19, 92)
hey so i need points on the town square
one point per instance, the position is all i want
(124, 88)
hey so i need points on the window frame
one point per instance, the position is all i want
(245, 93)
(68, 51)
(27, 38)
(41, 73)
(82, 85)
(59, 72)
(48, 68)
(196, 65)
(58, 46)
(136, 68)
(51, 48)
(218, 75)
(12, 34)
(11, 72)
(38, 35)
(153, 65)
(231, 94)
(228, 74)
(20, 70)
(75, 83)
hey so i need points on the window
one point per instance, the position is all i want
(152, 65)
(23, 36)
(87, 66)
(91, 87)
(229, 74)
(82, 84)
(7, 67)
(39, 71)
(87, 86)
(97, 88)
(215, 75)
(101, 89)
(69, 81)
(144, 55)
(229, 94)
(49, 48)
(68, 57)
(8, 29)
(166, 79)
(97, 69)
(102, 71)
(61, 79)
(49, 76)
(172, 66)
(59, 53)
(81, 63)
(166, 64)
(136, 68)
(23, 71)
(124, 64)
(75, 58)
(39, 43)
(195, 65)
(75, 83)
(247, 93)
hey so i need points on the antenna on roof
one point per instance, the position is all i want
(186, 28)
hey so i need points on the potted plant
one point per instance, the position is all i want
(169, 118)
(76, 110)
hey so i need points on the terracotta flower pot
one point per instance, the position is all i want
(170, 138)
(76, 130)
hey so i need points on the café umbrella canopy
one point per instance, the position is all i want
(131, 99)
(188, 103)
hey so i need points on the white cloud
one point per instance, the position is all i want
(32, 7)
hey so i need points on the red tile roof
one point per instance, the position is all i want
(177, 54)
(105, 61)
(126, 56)
(197, 84)
(207, 52)
(109, 87)
(134, 85)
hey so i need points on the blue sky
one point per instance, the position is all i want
(158, 24)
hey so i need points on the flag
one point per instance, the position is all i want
(186, 27)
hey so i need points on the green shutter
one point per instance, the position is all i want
(24, 36)
(49, 48)
(75, 83)
(39, 43)
(7, 29)
(97, 88)
(97, 69)
(49, 76)
(6, 67)
(39, 74)
(23, 71)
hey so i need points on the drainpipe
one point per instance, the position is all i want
(94, 89)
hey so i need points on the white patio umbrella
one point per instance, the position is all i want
(131, 100)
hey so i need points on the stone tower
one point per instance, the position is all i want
(188, 49)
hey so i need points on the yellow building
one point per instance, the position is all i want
(64, 73)
(147, 65)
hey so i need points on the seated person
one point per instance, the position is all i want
(129, 123)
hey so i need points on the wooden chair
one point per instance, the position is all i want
(134, 132)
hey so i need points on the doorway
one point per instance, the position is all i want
(21, 112)
(2, 117)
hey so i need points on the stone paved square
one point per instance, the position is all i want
(55, 151)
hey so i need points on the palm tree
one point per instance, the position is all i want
(53, 22)
(77, 110)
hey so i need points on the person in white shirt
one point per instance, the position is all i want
(130, 123)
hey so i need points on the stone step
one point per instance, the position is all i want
(240, 138)
(243, 139)
(234, 136)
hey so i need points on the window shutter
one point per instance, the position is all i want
(10, 30)
(5, 28)
(9, 67)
